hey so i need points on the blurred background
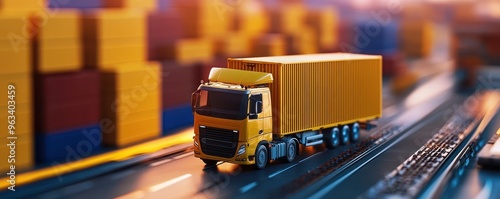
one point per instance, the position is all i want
(92, 76)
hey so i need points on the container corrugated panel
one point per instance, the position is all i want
(131, 100)
(317, 91)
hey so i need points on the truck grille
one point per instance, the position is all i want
(218, 142)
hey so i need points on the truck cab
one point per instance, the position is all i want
(232, 116)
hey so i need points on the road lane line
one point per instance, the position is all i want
(321, 193)
(154, 164)
(166, 184)
(281, 171)
(182, 156)
(307, 158)
(248, 187)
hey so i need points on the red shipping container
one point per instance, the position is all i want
(179, 81)
(50, 120)
(66, 85)
(66, 101)
(164, 28)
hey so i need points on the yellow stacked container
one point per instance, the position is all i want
(190, 51)
(135, 4)
(114, 36)
(131, 100)
(416, 37)
(205, 19)
(16, 70)
(289, 18)
(325, 23)
(304, 42)
(22, 5)
(58, 45)
(235, 44)
(269, 45)
(251, 19)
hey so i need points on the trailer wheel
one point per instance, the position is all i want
(209, 162)
(261, 157)
(291, 150)
(355, 132)
(331, 137)
(345, 134)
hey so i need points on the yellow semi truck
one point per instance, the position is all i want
(261, 109)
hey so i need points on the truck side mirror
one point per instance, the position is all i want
(194, 100)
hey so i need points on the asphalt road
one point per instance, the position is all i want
(420, 114)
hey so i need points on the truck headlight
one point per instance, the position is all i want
(242, 149)
(196, 144)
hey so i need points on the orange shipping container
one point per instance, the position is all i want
(269, 45)
(207, 19)
(417, 37)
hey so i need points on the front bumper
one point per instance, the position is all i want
(245, 158)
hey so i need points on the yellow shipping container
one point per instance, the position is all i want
(304, 42)
(96, 43)
(112, 23)
(234, 45)
(205, 18)
(416, 37)
(130, 133)
(58, 55)
(107, 58)
(22, 5)
(311, 92)
(131, 99)
(15, 26)
(146, 77)
(16, 58)
(325, 24)
(23, 87)
(24, 158)
(251, 19)
(24, 119)
(61, 24)
(269, 45)
(135, 4)
(188, 51)
(115, 103)
(135, 116)
(289, 18)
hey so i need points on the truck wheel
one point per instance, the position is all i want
(345, 134)
(291, 150)
(355, 132)
(331, 137)
(209, 162)
(261, 157)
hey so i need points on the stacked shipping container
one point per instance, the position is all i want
(15, 53)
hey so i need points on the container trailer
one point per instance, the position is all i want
(262, 108)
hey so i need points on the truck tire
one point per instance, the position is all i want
(261, 157)
(345, 134)
(209, 162)
(355, 131)
(291, 150)
(331, 137)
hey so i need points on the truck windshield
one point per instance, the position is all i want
(221, 104)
